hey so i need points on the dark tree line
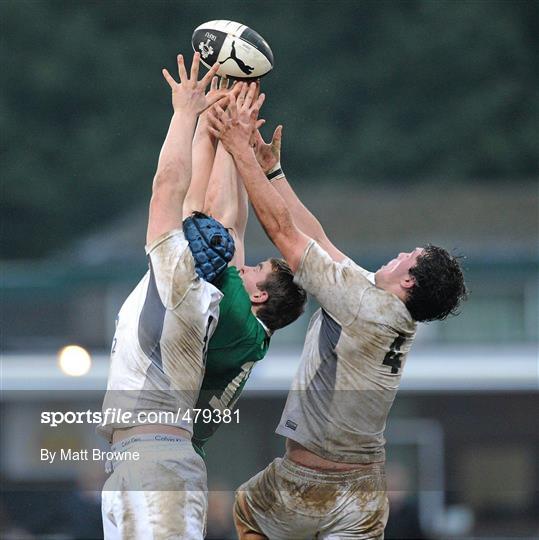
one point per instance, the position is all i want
(384, 91)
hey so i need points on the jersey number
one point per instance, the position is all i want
(393, 357)
(230, 393)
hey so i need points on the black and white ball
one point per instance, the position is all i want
(242, 53)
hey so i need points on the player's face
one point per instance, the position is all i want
(253, 275)
(398, 268)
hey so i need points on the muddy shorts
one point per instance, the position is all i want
(286, 501)
(160, 495)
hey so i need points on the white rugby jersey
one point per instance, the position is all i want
(162, 331)
(350, 369)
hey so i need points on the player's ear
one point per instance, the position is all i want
(259, 297)
(407, 282)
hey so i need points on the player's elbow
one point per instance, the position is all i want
(287, 243)
(165, 179)
(166, 186)
(162, 178)
(168, 175)
(320, 237)
(317, 231)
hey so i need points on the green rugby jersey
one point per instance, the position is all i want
(237, 343)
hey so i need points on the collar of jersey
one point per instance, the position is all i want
(266, 329)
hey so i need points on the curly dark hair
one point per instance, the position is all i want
(439, 286)
(286, 300)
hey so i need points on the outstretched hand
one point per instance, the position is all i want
(189, 94)
(236, 126)
(220, 86)
(268, 154)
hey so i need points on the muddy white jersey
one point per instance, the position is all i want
(159, 348)
(351, 364)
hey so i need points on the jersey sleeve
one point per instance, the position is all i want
(172, 266)
(337, 286)
(369, 275)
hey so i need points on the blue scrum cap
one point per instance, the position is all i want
(211, 244)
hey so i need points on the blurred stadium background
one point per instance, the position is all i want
(406, 122)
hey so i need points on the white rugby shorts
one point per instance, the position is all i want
(287, 500)
(162, 495)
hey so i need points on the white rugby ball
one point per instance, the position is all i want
(242, 53)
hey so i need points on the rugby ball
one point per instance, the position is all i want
(242, 53)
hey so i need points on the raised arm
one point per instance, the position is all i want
(203, 155)
(235, 130)
(173, 174)
(226, 198)
(268, 156)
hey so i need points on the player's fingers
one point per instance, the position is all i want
(216, 133)
(257, 105)
(181, 69)
(219, 106)
(225, 115)
(277, 135)
(216, 123)
(236, 89)
(241, 95)
(223, 83)
(259, 102)
(215, 117)
(212, 118)
(168, 77)
(250, 95)
(211, 73)
(254, 140)
(253, 115)
(194, 68)
(224, 102)
(220, 94)
(214, 83)
(218, 110)
(233, 109)
(257, 92)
